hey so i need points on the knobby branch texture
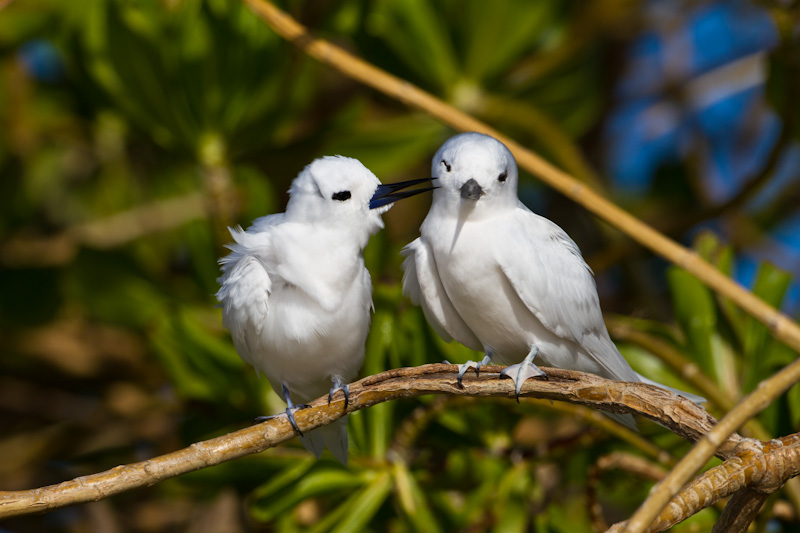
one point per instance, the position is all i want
(781, 326)
(677, 414)
(755, 470)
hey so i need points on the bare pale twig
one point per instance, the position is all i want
(781, 326)
(547, 132)
(677, 414)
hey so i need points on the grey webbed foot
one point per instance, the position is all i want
(462, 369)
(289, 414)
(290, 409)
(521, 372)
(338, 385)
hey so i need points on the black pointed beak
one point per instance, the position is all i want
(391, 192)
(471, 190)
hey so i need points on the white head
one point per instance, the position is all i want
(341, 192)
(476, 176)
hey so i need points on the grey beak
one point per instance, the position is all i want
(471, 190)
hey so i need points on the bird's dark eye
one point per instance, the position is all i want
(341, 196)
(448, 167)
(503, 176)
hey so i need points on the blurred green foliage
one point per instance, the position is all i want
(112, 350)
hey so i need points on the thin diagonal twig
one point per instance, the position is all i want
(781, 326)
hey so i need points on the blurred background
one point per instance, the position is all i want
(132, 133)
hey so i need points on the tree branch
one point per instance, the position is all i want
(751, 473)
(677, 414)
(740, 511)
(751, 405)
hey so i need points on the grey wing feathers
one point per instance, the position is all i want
(550, 276)
(421, 283)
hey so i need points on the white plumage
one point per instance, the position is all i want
(295, 293)
(501, 279)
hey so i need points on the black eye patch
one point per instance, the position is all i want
(341, 196)
(448, 167)
(503, 176)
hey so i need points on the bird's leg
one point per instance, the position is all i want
(290, 409)
(339, 385)
(462, 369)
(524, 370)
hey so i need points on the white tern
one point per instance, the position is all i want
(295, 294)
(498, 278)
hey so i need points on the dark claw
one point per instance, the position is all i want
(337, 385)
(460, 377)
(462, 369)
(292, 421)
(259, 419)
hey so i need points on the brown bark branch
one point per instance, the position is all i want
(741, 510)
(757, 468)
(677, 414)
(750, 406)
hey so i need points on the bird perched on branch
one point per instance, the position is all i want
(295, 293)
(501, 279)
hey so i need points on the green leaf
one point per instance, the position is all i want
(694, 309)
(770, 285)
(721, 255)
(379, 417)
(285, 478)
(389, 147)
(364, 505)
(413, 501)
(512, 26)
(299, 485)
(793, 400)
(417, 32)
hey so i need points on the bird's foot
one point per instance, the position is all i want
(521, 372)
(339, 386)
(289, 414)
(462, 369)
